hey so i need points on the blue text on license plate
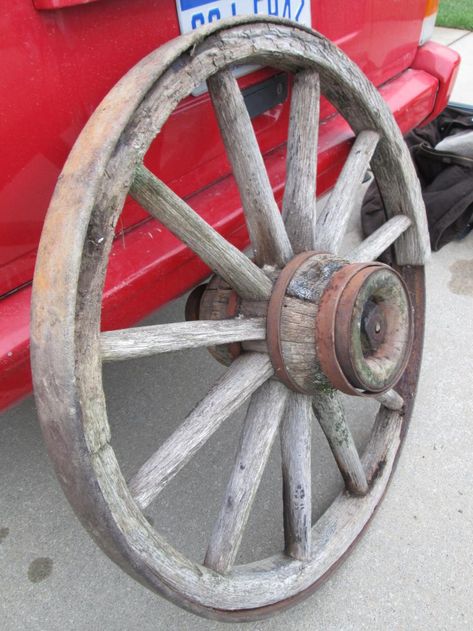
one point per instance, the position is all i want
(195, 13)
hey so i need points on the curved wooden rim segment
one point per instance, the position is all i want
(273, 329)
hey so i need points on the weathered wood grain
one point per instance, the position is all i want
(262, 421)
(219, 302)
(374, 245)
(66, 314)
(333, 220)
(299, 204)
(297, 318)
(220, 255)
(331, 416)
(267, 232)
(391, 400)
(391, 164)
(241, 379)
(165, 338)
(273, 578)
(296, 431)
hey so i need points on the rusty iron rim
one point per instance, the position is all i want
(192, 308)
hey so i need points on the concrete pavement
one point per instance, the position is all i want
(412, 570)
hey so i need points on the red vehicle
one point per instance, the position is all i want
(60, 58)
(212, 134)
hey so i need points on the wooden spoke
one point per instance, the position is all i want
(220, 255)
(262, 421)
(164, 338)
(242, 378)
(333, 220)
(374, 245)
(331, 416)
(267, 232)
(391, 400)
(296, 467)
(299, 192)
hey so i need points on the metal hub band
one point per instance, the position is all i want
(364, 329)
(273, 328)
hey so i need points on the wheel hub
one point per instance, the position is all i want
(364, 328)
(330, 324)
(373, 326)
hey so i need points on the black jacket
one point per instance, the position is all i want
(446, 179)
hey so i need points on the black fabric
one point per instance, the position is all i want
(446, 180)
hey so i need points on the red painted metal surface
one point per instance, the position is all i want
(149, 267)
(50, 5)
(56, 67)
(442, 63)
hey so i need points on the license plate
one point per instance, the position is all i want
(195, 13)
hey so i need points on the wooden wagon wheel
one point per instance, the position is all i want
(305, 324)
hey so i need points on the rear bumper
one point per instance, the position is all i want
(149, 266)
(442, 63)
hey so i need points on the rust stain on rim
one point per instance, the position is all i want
(344, 322)
(325, 339)
(192, 308)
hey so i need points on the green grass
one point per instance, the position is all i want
(456, 14)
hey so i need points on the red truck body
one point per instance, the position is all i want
(57, 63)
